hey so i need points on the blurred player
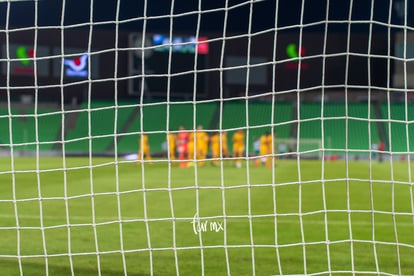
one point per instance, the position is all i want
(238, 147)
(144, 148)
(171, 142)
(201, 145)
(182, 143)
(218, 144)
(266, 150)
(191, 151)
(381, 149)
(224, 144)
(215, 147)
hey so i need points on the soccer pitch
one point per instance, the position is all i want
(162, 220)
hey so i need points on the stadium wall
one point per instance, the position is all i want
(51, 82)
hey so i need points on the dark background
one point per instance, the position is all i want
(290, 12)
(347, 44)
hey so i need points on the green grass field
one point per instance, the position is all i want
(281, 221)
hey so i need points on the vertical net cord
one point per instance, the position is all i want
(117, 183)
(274, 193)
(193, 158)
(347, 180)
(38, 169)
(90, 145)
(274, 190)
(392, 180)
(223, 187)
(397, 247)
(407, 118)
(170, 188)
(393, 183)
(298, 87)
(12, 160)
(141, 132)
(249, 187)
(195, 112)
(64, 164)
(196, 185)
(409, 150)
(371, 188)
(323, 182)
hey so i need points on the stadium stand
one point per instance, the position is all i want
(155, 123)
(183, 114)
(335, 126)
(49, 128)
(397, 125)
(102, 124)
(5, 126)
(128, 125)
(259, 114)
(24, 128)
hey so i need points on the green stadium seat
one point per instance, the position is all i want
(343, 129)
(155, 120)
(259, 119)
(24, 136)
(99, 123)
(400, 127)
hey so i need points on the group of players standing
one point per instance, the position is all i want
(191, 146)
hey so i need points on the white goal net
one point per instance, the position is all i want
(195, 137)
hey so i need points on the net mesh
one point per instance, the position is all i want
(106, 109)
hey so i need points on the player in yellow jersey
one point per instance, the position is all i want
(224, 144)
(190, 148)
(266, 150)
(238, 147)
(144, 148)
(218, 141)
(182, 146)
(201, 145)
(171, 142)
(215, 148)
